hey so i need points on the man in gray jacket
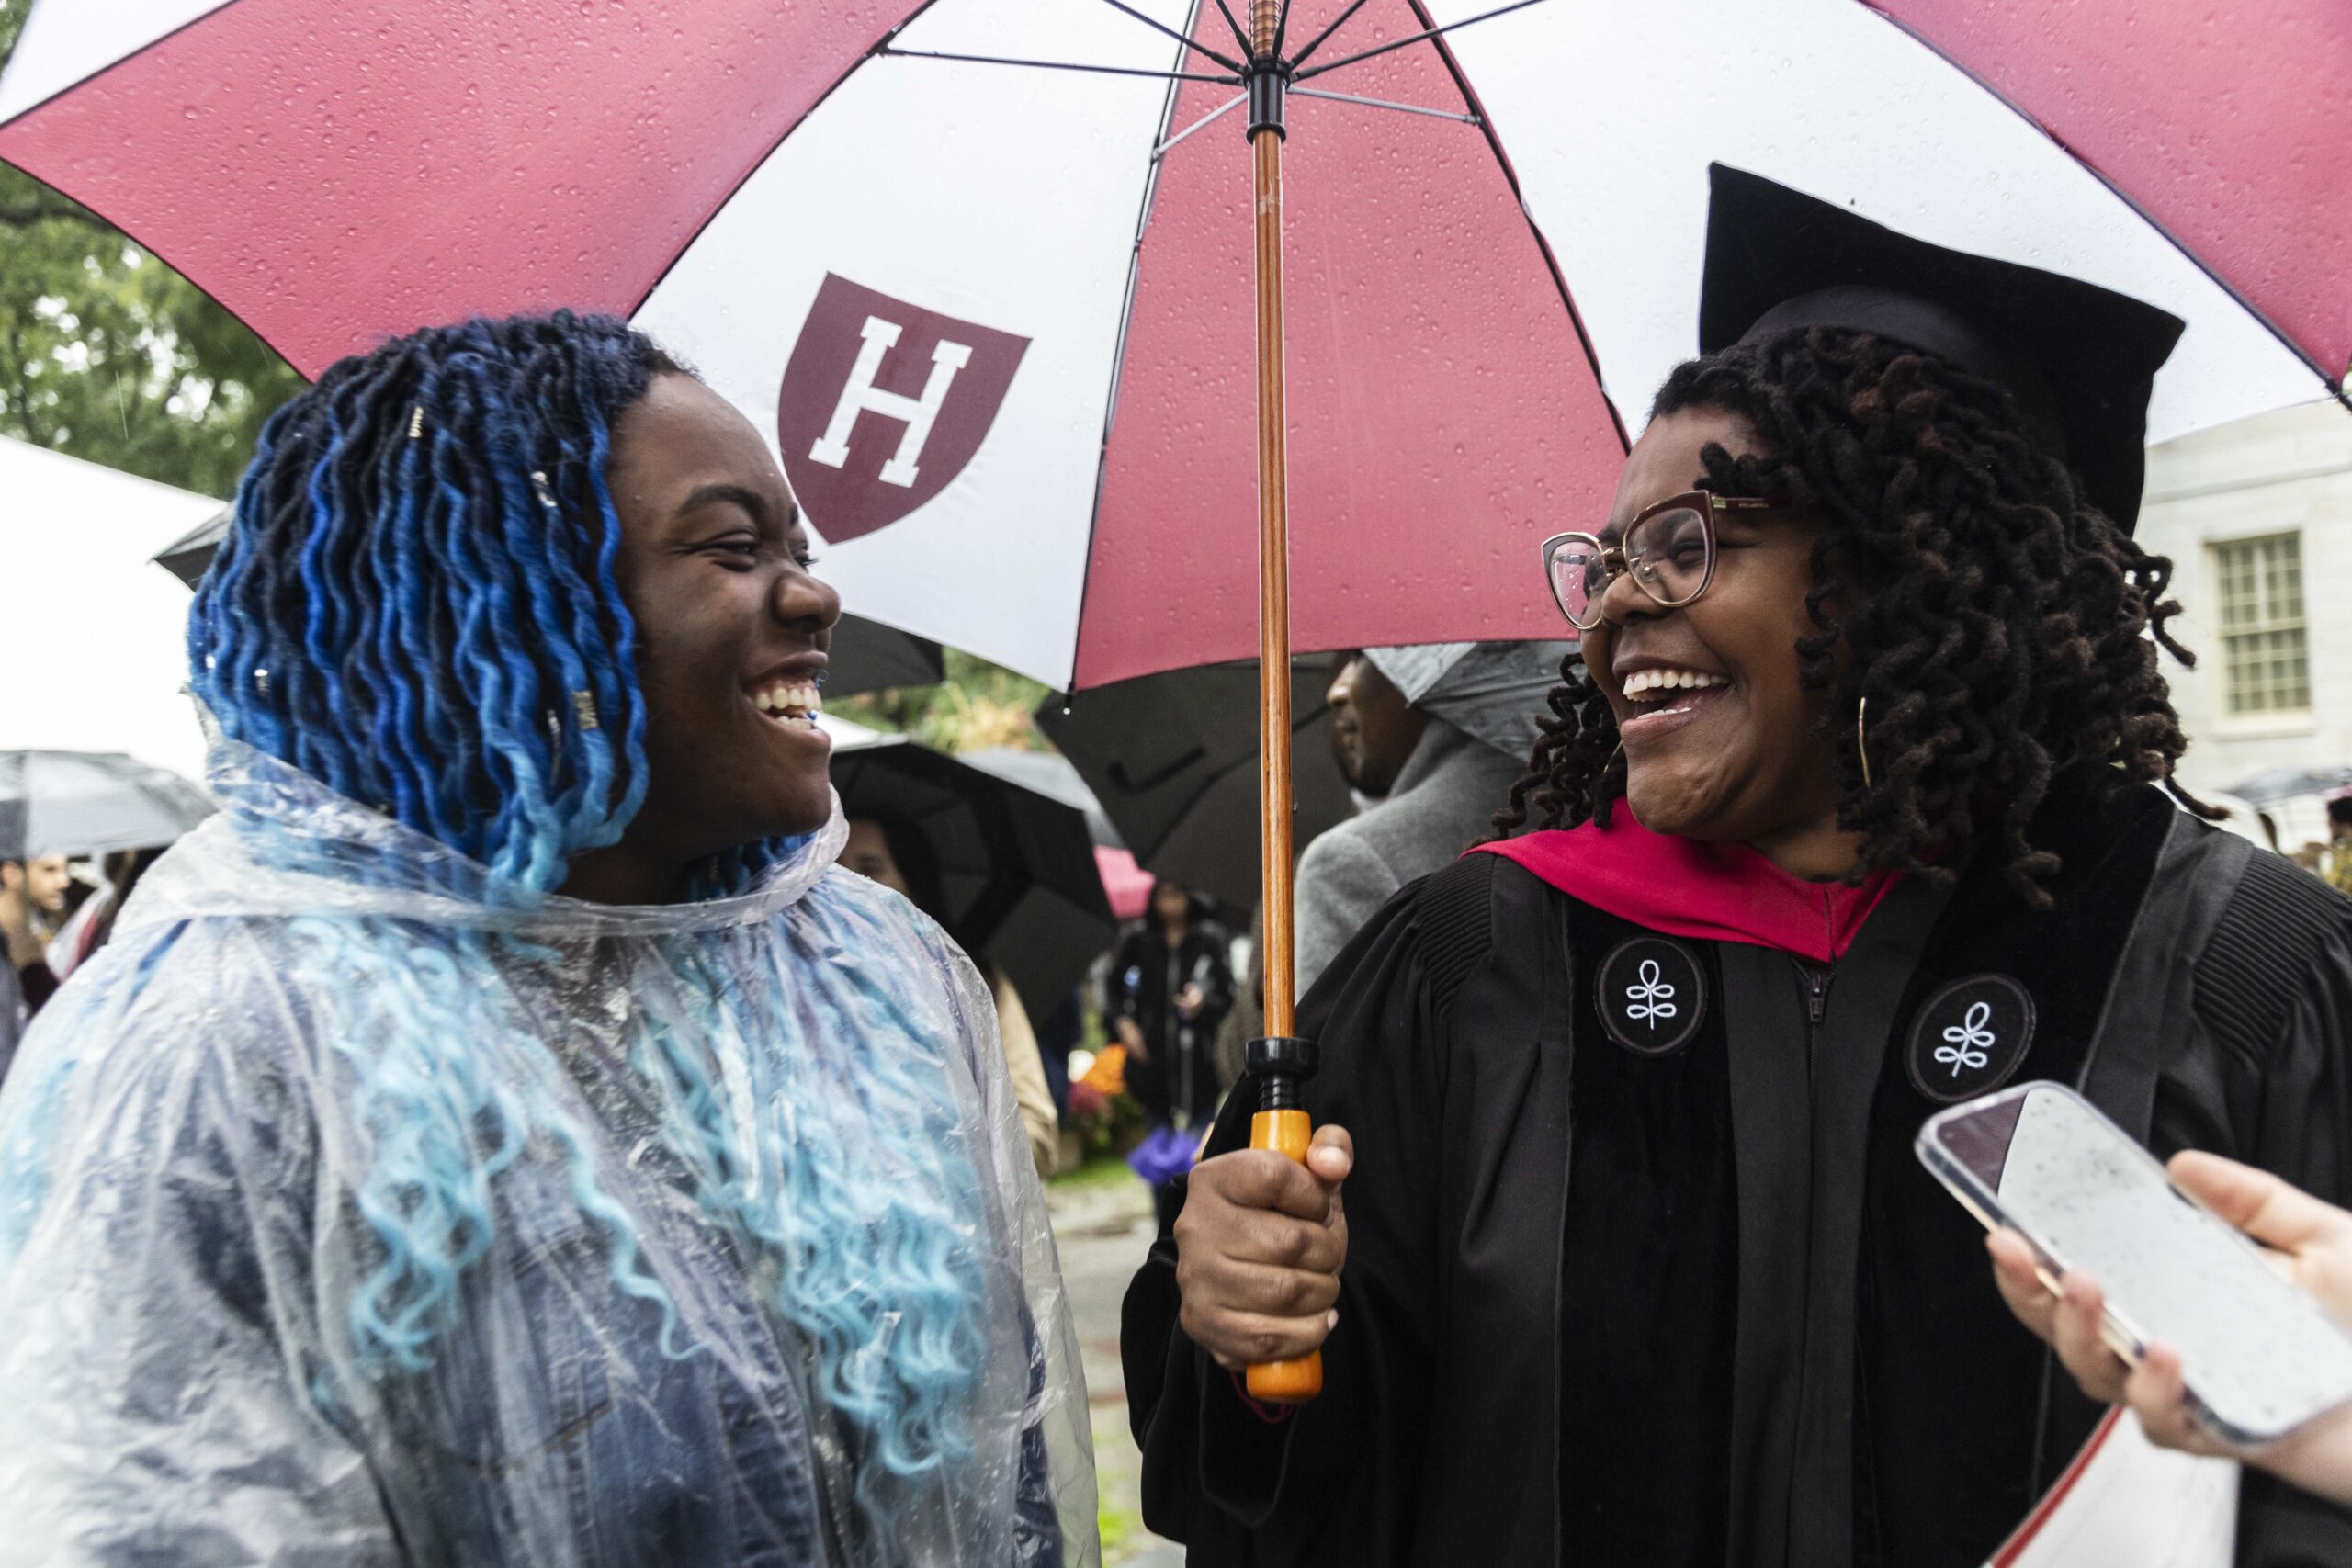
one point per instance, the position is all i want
(1437, 734)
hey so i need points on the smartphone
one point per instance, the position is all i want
(2259, 1356)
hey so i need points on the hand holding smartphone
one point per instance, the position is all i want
(2260, 1358)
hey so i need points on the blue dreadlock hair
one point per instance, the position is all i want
(416, 607)
(415, 604)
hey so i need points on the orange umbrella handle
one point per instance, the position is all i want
(1280, 1064)
(1293, 1382)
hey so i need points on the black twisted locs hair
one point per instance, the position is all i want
(2001, 629)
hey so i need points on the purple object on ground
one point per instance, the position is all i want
(1165, 1154)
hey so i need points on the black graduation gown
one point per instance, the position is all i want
(1703, 1306)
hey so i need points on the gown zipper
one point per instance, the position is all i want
(1817, 979)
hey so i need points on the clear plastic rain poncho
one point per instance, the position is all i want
(357, 1208)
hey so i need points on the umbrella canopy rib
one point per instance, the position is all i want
(1319, 40)
(895, 53)
(1234, 23)
(1422, 37)
(1211, 117)
(1185, 38)
(1382, 104)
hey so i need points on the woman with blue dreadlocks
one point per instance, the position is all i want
(499, 1136)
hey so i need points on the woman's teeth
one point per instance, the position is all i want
(791, 702)
(1658, 685)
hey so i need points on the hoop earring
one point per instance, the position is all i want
(1862, 741)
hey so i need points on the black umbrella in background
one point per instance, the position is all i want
(1018, 881)
(2275, 784)
(870, 657)
(867, 655)
(91, 803)
(186, 556)
(1173, 759)
(1049, 772)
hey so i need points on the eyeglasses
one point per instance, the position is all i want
(1668, 549)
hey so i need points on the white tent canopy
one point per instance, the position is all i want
(95, 631)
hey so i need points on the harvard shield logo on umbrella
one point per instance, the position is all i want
(883, 405)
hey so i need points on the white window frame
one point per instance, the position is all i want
(2227, 633)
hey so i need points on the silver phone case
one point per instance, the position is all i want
(2123, 1336)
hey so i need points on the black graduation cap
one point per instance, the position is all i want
(2080, 359)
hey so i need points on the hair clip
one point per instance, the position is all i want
(584, 705)
(415, 421)
(261, 681)
(546, 493)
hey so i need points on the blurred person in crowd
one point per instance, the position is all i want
(34, 905)
(92, 923)
(13, 1018)
(2339, 870)
(1060, 1032)
(1246, 1019)
(1171, 985)
(1373, 728)
(2311, 1241)
(895, 854)
(502, 1134)
(1433, 760)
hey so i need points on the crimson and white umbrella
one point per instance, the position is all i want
(1007, 285)
(1003, 328)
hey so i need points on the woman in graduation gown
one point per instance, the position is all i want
(1631, 1261)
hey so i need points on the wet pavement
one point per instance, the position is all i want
(1103, 1231)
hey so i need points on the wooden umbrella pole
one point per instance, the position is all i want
(1280, 1062)
(1274, 582)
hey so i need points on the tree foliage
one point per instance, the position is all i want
(109, 355)
(979, 706)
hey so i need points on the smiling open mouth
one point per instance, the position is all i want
(1657, 695)
(791, 702)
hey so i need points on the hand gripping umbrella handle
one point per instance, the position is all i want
(1280, 1064)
